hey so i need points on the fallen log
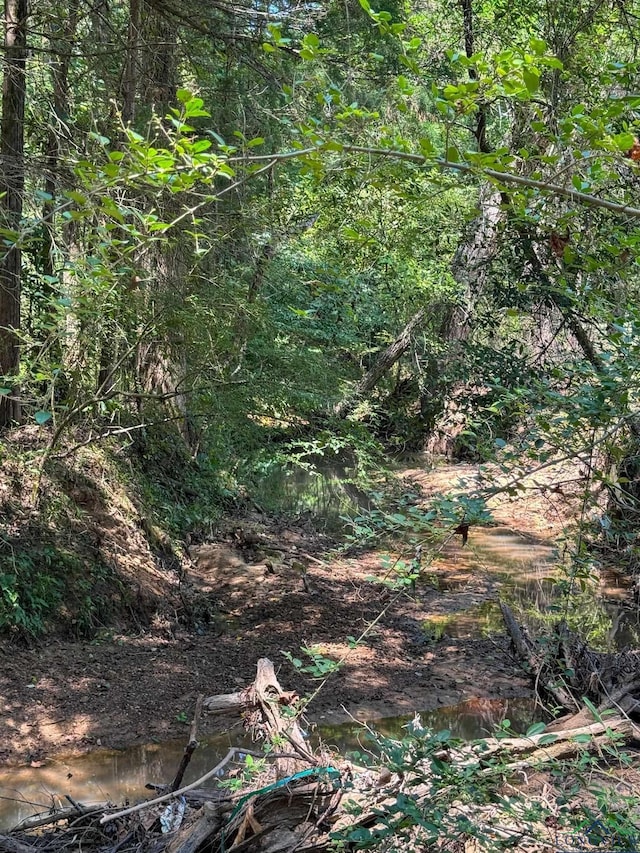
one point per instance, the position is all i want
(535, 662)
(327, 801)
(223, 703)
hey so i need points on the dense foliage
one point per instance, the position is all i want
(311, 228)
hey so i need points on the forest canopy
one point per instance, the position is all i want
(419, 221)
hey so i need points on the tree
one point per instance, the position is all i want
(11, 189)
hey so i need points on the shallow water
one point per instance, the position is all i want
(325, 493)
(105, 775)
(120, 776)
(496, 563)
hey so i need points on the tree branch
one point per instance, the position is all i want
(465, 168)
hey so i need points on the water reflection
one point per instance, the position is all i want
(475, 718)
(121, 776)
(116, 776)
(499, 564)
(325, 492)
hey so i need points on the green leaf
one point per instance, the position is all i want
(589, 704)
(76, 196)
(452, 154)
(362, 835)
(268, 48)
(4, 392)
(183, 95)
(583, 738)
(531, 77)
(535, 729)
(42, 417)
(545, 740)
(623, 141)
(426, 147)
(253, 143)
(103, 140)
(538, 46)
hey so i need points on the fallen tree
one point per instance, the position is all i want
(426, 788)
(567, 670)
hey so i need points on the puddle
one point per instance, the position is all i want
(106, 775)
(120, 776)
(498, 564)
(479, 620)
(325, 493)
(475, 718)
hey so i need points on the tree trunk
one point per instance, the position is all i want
(472, 260)
(129, 73)
(383, 364)
(11, 186)
(61, 39)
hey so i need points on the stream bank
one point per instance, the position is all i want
(434, 649)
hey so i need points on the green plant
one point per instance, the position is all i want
(243, 777)
(452, 792)
(319, 667)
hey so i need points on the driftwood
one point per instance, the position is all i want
(264, 705)
(303, 798)
(224, 703)
(568, 670)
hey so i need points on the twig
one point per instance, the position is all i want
(61, 814)
(172, 795)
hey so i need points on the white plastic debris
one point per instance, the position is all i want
(172, 816)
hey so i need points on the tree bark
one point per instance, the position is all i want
(383, 364)
(12, 185)
(480, 131)
(61, 39)
(129, 75)
(472, 260)
(53, 253)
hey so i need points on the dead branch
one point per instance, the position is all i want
(223, 703)
(191, 746)
(529, 655)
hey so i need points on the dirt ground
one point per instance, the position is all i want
(63, 697)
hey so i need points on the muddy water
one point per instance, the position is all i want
(496, 563)
(105, 775)
(120, 777)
